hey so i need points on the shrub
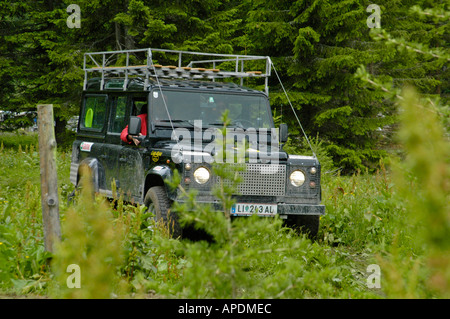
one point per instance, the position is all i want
(92, 242)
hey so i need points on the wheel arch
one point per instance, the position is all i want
(157, 177)
(97, 172)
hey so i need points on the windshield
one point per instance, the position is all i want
(245, 110)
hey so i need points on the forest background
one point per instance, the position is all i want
(339, 69)
(384, 148)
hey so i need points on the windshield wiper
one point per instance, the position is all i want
(235, 124)
(216, 123)
(175, 121)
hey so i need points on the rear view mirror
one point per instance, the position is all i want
(134, 127)
(283, 133)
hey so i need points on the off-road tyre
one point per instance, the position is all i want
(159, 204)
(307, 224)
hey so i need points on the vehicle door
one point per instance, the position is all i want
(113, 145)
(131, 166)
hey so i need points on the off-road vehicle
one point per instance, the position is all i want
(184, 104)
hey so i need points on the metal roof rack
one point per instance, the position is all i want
(139, 62)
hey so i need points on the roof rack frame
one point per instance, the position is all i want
(101, 61)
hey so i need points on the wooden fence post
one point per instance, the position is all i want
(49, 179)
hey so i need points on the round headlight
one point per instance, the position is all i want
(297, 178)
(201, 175)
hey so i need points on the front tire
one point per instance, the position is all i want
(159, 204)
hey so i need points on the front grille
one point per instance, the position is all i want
(261, 180)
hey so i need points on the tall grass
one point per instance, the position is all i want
(19, 138)
(365, 212)
(23, 260)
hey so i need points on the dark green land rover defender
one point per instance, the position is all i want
(140, 122)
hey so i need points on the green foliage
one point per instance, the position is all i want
(364, 212)
(318, 47)
(345, 83)
(422, 178)
(92, 242)
(370, 219)
(423, 184)
(301, 147)
(19, 138)
(253, 258)
(326, 45)
(249, 257)
(23, 259)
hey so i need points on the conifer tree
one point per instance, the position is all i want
(318, 46)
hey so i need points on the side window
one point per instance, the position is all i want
(118, 116)
(94, 113)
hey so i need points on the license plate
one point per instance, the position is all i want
(239, 209)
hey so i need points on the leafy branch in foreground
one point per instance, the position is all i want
(423, 185)
(92, 242)
(438, 53)
(224, 274)
(394, 93)
(439, 13)
(428, 55)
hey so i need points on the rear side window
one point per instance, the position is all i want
(94, 113)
